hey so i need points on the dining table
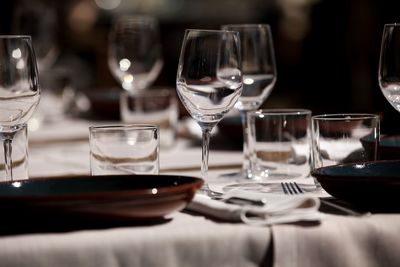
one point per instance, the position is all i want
(185, 238)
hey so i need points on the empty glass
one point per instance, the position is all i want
(134, 52)
(259, 76)
(344, 138)
(124, 149)
(280, 143)
(39, 21)
(19, 90)
(209, 80)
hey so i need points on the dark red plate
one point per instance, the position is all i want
(138, 197)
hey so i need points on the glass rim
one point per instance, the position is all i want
(281, 111)
(210, 31)
(135, 126)
(345, 116)
(246, 26)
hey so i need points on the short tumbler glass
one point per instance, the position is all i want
(124, 149)
(280, 143)
(344, 138)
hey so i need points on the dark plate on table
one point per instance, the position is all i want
(389, 146)
(374, 185)
(111, 197)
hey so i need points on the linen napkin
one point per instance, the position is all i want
(277, 209)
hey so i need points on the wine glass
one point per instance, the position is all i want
(259, 76)
(41, 23)
(19, 90)
(134, 52)
(209, 80)
(389, 64)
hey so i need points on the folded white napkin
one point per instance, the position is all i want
(277, 208)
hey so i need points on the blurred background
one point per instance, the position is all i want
(327, 51)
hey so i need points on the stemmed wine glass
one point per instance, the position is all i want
(209, 80)
(134, 52)
(19, 90)
(389, 64)
(40, 22)
(259, 76)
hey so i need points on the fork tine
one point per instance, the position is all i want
(290, 189)
(293, 188)
(285, 188)
(296, 188)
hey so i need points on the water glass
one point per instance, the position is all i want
(280, 143)
(19, 155)
(124, 149)
(344, 138)
(156, 106)
(259, 75)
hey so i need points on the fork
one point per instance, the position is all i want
(292, 188)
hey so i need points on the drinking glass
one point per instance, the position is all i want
(209, 80)
(124, 149)
(134, 52)
(344, 138)
(19, 90)
(259, 76)
(41, 23)
(280, 143)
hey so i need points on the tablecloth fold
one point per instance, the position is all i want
(277, 209)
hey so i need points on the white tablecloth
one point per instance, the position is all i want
(186, 240)
(193, 240)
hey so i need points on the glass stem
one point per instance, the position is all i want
(7, 145)
(204, 153)
(246, 155)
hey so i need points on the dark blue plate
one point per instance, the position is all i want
(371, 183)
(389, 146)
(113, 196)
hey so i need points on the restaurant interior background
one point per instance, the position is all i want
(327, 51)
